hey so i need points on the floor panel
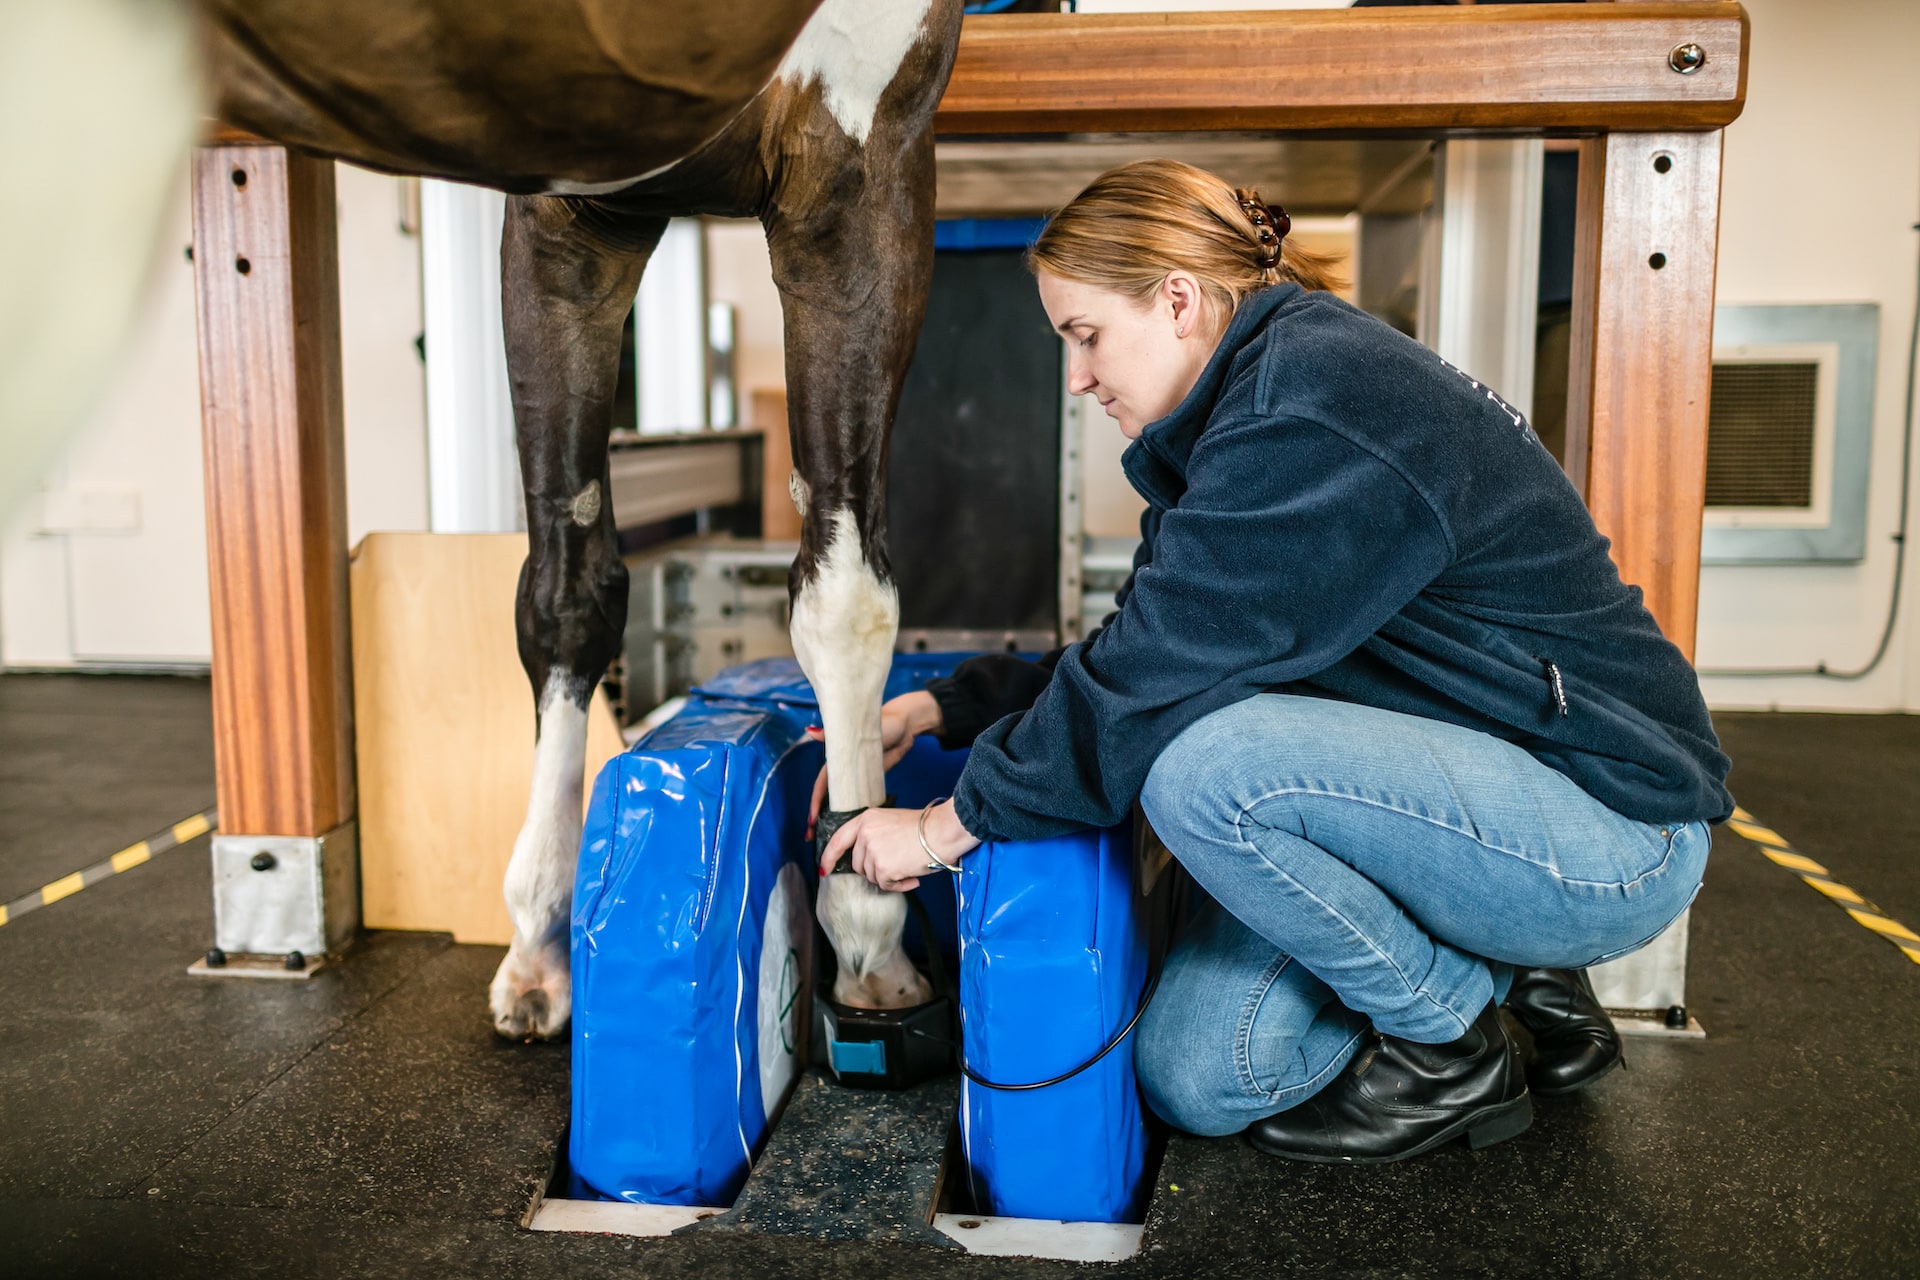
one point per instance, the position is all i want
(368, 1123)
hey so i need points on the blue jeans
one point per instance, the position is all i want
(1370, 868)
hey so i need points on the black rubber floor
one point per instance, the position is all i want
(368, 1124)
(82, 756)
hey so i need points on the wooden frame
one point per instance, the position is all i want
(1643, 310)
(267, 281)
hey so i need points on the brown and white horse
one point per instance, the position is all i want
(602, 119)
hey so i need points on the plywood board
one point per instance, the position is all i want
(445, 729)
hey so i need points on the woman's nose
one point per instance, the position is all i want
(1079, 378)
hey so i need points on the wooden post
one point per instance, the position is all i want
(1641, 362)
(267, 279)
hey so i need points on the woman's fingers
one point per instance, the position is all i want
(819, 800)
(819, 784)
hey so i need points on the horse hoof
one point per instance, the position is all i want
(530, 1001)
(889, 990)
(530, 1018)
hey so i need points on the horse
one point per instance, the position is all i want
(602, 119)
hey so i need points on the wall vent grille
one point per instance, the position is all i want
(1761, 433)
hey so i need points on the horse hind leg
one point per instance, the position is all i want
(569, 273)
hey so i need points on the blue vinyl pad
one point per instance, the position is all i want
(1053, 956)
(693, 935)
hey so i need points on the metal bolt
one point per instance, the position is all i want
(216, 958)
(263, 861)
(295, 961)
(1677, 1017)
(1687, 58)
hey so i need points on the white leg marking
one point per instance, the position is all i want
(843, 629)
(530, 995)
(854, 48)
(844, 623)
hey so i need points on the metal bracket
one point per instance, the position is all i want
(282, 897)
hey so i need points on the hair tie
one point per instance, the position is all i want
(1270, 226)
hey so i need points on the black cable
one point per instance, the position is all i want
(1899, 538)
(1146, 998)
(1176, 912)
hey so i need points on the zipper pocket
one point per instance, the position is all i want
(1558, 685)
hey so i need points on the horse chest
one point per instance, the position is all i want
(848, 53)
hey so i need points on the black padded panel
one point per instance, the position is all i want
(974, 478)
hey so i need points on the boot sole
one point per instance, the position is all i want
(1482, 1128)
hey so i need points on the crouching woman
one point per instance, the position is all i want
(1374, 680)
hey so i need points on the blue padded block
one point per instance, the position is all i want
(687, 835)
(683, 978)
(1053, 956)
(692, 934)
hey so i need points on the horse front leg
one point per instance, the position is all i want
(852, 248)
(569, 274)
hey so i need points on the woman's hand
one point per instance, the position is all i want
(901, 720)
(884, 845)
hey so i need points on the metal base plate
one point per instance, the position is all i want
(1653, 1026)
(257, 967)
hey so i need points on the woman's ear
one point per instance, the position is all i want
(1180, 295)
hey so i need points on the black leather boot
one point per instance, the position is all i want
(1399, 1099)
(1574, 1041)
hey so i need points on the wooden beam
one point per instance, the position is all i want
(267, 279)
(1641, 361)
(1565, 67)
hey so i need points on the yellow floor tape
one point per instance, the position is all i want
(1778, 851)
(128, 858)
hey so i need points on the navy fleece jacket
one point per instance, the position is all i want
(1335, 511)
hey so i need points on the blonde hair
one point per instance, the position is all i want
(1134, 224)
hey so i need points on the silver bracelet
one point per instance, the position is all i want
(933, 863)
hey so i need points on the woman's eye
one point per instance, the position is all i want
(1087, 341)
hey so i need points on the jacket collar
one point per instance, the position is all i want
(1156, 463)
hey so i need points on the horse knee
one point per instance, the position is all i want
(571, 608)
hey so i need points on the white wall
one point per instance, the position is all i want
(1821, 188)
(383, 380)
(124, 583)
